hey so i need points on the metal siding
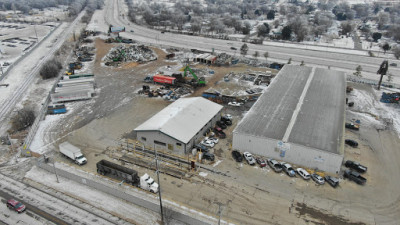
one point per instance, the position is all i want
(158, 136)
(299, 155)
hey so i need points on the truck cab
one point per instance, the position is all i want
(80, 159)
(147, 183)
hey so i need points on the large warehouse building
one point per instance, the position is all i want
(299, 119)
(180, 125)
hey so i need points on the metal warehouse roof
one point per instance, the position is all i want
(183, 118)
(302, 106)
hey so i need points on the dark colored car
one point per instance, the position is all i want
(226, 121)
(237, 156)
(352, 143)
(208, 156)
(354, 176)
(201, 147)
(352, 126)
(218, 131)
(261, 162)
(16, 205)
(333, 181)
(356, 166)
(233, 48)
(221, 124)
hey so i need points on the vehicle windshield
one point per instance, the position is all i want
(278, 165)
(80, 157)
(19, 204)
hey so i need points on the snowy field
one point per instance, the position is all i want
(17, 39)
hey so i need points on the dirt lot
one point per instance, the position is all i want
(249, 195)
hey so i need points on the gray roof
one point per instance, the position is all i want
(302, 106)
(183, 118)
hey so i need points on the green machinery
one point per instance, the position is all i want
(195, 81)
(120, 57)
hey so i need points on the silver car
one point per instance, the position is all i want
(318, 179)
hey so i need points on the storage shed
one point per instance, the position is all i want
(299, 119)
(180, 125)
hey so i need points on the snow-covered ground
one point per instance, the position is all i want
(371, 112)
(19, 39)
(96, 198)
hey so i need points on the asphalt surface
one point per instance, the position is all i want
(345, 61)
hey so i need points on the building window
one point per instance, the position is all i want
(159, 143)
(143, 139)
(179, 144)
(170, 147)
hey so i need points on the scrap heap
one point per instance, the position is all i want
(130, 53)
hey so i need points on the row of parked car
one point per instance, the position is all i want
(283, 166)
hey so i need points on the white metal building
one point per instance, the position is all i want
(299, 119)
(180, 125)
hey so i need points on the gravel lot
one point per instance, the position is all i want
(249, 195)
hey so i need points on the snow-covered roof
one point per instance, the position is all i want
(182, 119)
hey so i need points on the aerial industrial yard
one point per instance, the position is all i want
(146, 125)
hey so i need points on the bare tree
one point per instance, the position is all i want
(358, 71)
(244, 49)
(256, 54)
(266, 55)
(24, 119)
(396, 51)
(50, 69)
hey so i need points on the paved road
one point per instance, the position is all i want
(344, 61)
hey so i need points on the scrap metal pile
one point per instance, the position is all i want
(166, 93)
(130, 53)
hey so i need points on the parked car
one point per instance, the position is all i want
(249, 158)
(288, 169)
(275, 165)
(219, 132)
(318, 179)
(227, 116)
(213, 139)
(303, 173)
(221, 124)
(393, 64)
(234, 104)
(352, 126)
(237, 156)
(261, 162)
(350, 142)
(356, 166)
(208, 156)
(233, 48)
(354, 176)
(16, 205)
(207, 143)
(201, 148)
(227, 121)
(333, 181)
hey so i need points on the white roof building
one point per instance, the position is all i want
(183, 121)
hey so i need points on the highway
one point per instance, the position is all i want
(342, 61)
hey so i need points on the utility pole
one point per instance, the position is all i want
(219, 212)
(55, 172)
(159, 185)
